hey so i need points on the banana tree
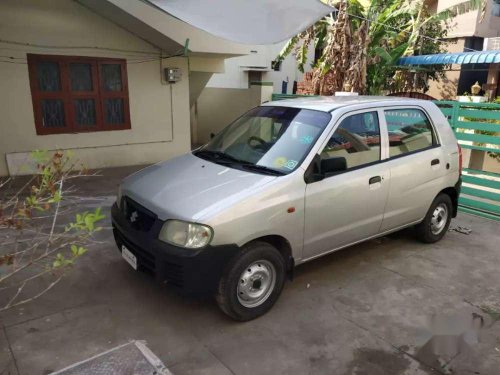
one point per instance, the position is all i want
(363, 40)
(426, 34)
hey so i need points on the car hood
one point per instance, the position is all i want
(191, 188)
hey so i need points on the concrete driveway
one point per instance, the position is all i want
(388, 306)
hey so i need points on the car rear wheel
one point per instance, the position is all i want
(436, 222)
(252, 282)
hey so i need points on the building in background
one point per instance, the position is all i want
(473, 31)
(244, 84)
(90, 76)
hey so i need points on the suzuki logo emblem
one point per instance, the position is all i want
(134, 216)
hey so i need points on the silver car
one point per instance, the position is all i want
(286, 183)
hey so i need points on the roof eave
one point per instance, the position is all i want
(163, 30)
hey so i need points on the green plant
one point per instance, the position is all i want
(493, 314)
(36, 250)
(361, 46)
(469, 96)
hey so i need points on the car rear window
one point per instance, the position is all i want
(409, 131)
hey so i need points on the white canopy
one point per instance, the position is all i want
(247, 21)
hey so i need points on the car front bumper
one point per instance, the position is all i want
(193, 272)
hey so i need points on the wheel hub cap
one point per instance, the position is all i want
(439, 219)
(256, 283)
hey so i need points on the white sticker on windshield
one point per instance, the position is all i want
(306, 139)
(291, 164)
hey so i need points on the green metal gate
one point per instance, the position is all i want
(477, 128)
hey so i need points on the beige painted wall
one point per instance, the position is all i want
(491, 164)
(472, 23)
(446, 89)
(218, 107)
(63, 23)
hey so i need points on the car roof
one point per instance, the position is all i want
(329, 103)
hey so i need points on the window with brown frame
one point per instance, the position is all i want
(73, 94)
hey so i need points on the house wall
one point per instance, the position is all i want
(446, 89)
(472, 23)
(218, 107)
(235, 76)
(159, 112)
(228, 94)
(490, 25)
(490, 164)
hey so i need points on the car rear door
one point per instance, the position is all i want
(348, 206)
(416, 165)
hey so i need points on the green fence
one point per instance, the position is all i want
(477, 127)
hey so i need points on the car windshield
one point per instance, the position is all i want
(272, 140)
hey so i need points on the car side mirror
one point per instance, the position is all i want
(321, 168)
(333, 165)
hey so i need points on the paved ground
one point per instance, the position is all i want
(388, 306)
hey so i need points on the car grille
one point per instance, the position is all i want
(174, 274)
(138, 217)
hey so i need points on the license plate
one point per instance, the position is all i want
(129, 257)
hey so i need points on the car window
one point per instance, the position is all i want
(277, 138)
(266, 128)
(357, 139)
(409, 130)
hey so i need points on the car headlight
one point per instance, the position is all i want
(184, 234)
(119, 196)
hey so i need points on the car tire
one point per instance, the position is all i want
(436, 221)
(252, 282)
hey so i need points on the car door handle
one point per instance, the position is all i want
(375, 179)
(435, 162)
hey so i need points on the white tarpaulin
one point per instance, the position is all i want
(247, 21)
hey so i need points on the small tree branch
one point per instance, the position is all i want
(51, 285)
(55, 216)
(3, 183)
(19, 290)
(44, 255)
(35, 226)
(22, 189)
(26, 280)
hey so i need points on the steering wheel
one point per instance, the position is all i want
(262, 144)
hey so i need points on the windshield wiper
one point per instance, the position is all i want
(217, 155)
(262, 168)
(224, 158)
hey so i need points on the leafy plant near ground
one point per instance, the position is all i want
(494, 314)
(36, 248)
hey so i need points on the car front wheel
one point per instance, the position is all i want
(252, 282)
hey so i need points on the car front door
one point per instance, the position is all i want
(347, 206)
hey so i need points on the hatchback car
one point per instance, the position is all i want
(286, 183)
